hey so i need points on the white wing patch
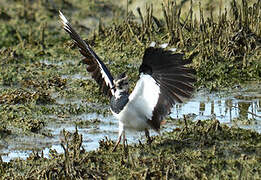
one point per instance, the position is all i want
(152, 44)
(173, 49)
(63, 18)
(106, 78)
(145, 95)
(164, 45)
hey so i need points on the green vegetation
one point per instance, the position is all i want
(39, 64)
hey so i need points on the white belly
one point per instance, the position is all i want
(132, 119)
(143, 99)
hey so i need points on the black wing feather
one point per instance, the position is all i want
(174, 79)
(95, 66)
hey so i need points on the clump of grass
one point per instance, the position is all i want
(23, 96)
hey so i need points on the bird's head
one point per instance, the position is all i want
(121, 82)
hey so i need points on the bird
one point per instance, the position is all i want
(164, 80)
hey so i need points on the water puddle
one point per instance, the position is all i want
(60, 63)
(76, 77)
(240, 107)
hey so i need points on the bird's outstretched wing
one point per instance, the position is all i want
(164, 80)
(95, 66)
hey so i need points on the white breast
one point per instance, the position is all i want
(141, 104)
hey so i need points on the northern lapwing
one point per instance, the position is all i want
(163, 81)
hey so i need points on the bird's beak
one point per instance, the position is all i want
(113, 87)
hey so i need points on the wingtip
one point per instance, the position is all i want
(62, 17)
(173, 49)
(65, 22)
(164, 45)
(152, 44)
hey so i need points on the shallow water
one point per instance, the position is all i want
(239, 107)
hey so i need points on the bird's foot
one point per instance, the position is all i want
(149, 140)
(147, 134)
(117, 143)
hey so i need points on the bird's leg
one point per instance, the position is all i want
(121, 133)
(117, 143)
(124, 140)
(147, 134)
